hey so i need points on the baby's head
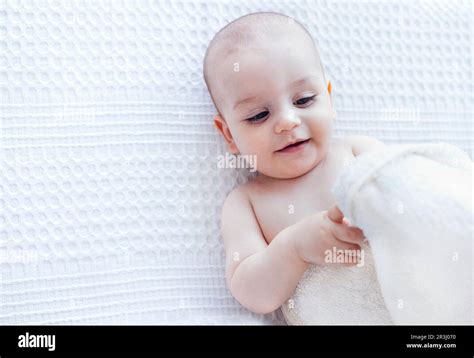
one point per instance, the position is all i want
(266, 79)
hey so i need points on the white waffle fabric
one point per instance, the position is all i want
(110, 195)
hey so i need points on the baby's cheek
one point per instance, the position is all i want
(254, 144)
(322, 129)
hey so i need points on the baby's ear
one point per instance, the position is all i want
(222, 127)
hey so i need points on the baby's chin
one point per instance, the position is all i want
(291, 170)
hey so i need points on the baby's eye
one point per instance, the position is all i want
(258, 117)
(303, 101)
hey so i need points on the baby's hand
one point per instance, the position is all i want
(328, 230)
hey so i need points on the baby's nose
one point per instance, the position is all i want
(287, 121)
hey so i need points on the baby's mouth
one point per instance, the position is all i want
(294, 147)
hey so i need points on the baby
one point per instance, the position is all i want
(268, 85)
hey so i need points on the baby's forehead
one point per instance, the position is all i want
(262, 54)
(257, 52)
(251, 34)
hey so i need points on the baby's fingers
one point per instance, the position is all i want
(335, 214)
(350, 234)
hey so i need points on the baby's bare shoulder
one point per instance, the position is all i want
(238, 193)
(238, 199)
(240, 229)
(242, 198)
(339, 149)
(361, 143)
(342, 142)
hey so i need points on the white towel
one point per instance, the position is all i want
(334, 294)
(414, 204)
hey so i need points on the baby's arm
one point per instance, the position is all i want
(262, 277)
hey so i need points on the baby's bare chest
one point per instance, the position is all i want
(285, 203)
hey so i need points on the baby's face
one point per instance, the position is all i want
(270, 97)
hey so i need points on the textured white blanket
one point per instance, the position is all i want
(110, 193)
(414, 204)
